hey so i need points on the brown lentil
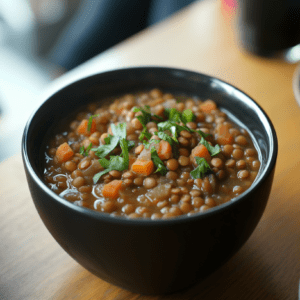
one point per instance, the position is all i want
(227, 150)
(237, 154)
(243, 174)
(172, 164)
(172, 175)
(78, 182)
(241, 164)
(217, 162)
(197, 202)
(241, 140)
(138, 181)
(175, 199)
(184, 152)
(139, 149)
(70, 166)
(184, 160)
(149, 183)
(183, 141)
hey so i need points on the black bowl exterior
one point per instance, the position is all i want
(144, 256)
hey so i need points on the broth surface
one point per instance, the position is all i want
(159, 156)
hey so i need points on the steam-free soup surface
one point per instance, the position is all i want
(151, 155)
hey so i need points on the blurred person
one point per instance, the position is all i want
(100, 24)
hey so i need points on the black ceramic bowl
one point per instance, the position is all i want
(145, 256)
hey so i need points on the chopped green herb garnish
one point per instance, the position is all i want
(202, 134)
(162, 135)
(173, 114)
(118, 162)
(214, 150)
(107, 139)
(145, 134)
(131, 144)
(176, 116)
(112, 141)
(174, 133)
(187, 116)
(148, 143)
(85, 152)
(160, 167)
(90, 122)
(203, 167)
(146, 114)
(119, 130)
(173, 127)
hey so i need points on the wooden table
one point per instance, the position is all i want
(32, 264)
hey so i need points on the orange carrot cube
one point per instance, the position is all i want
(83, 127)
(64, 152)
(111, 190)
(164, 150)
(207, 106)
(143, 167)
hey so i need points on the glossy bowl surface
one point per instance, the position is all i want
(296, 84)
(145, 256)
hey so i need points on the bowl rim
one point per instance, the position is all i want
(270, 164)
(296, 82)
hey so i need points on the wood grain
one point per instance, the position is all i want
(32, 264)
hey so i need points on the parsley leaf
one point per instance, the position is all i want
(147, 144)
(160, 167)
(202, 134)
(112, 141)
(84, 152)
(114, 163)
(146, 114)
(90, 122)
(104, 150)
(119, 130)
(145, 118)
(107, 139)
(131, 144)
(202, 168)
(174, 115)
(174, 133)
(162, 135)
(145, 134)
(98, 175)
(119, 163)
(187, 116)
(125, 154)
(213, 150)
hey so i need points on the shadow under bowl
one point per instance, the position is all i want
(145, 256)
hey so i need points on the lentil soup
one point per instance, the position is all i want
(151, 155)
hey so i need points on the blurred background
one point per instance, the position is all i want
(42, 39)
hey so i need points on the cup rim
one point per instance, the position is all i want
(270, 164)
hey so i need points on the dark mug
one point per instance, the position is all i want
(268, 27)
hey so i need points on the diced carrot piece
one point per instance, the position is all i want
(208, 105)
(143, 167)
(164, 150)
(132, 159)
(83, 127)
(200, 151)
(223, 135)
(111, 190)
(64, 153)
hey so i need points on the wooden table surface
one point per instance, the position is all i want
(201, 38)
